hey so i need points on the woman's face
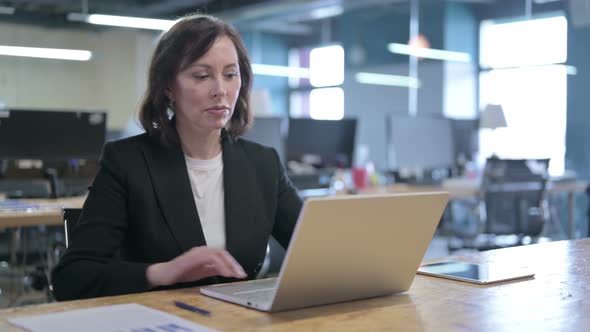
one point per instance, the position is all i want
(204, 93)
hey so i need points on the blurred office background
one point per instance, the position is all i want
(353, 94)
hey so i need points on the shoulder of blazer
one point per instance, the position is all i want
(254, 150)
(144, 139)
(243, 158)
(134, 147)
(132, 142)
(256, 153)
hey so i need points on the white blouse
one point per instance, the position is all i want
(206, 177)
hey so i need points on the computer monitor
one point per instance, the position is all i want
(269, 131)
(465, 138)
(420, 143)
(51, 135)
(322, 143)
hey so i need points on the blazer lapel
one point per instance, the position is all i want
(172, 187)
(239, 182)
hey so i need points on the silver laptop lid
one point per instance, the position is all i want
(352, 247)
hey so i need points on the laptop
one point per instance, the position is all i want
(345, 248)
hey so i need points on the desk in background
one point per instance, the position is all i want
(462, 189)
(45, 212)
(49, 212)
(555, 300)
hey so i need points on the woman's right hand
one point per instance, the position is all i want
(195, 264)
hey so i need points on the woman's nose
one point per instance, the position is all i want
(218, 90)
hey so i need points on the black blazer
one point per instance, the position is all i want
(140, 210)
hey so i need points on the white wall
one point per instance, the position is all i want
(113, 80)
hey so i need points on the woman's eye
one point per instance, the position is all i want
(231, 75)
(200, 76)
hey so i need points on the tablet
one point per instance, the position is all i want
(485, 273)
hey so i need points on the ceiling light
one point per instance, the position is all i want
(429, 53)
(386, 79)
(123, 21)
(46, 53)
(281, 71)
(325, 12)
(6, 10)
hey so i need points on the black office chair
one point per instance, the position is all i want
(514, 194)
(70, 217)
(273, 259)
(513, 203)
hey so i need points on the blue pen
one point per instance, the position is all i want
(192, 308)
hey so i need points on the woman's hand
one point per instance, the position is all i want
(195, 264)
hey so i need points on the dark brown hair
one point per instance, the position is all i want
(184, 43)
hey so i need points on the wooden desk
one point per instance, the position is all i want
(50, 214)
(470, 189)
(555, 300)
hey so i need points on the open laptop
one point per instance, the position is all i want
(346, 248)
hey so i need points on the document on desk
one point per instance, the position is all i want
(130, 317)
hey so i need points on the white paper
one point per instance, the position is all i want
(131, 317)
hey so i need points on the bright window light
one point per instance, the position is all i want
(326, 66)
(533, 96)
(523, 43)
(326, 104)
(46, 53)
(534, 100)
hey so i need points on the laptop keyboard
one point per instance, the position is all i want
(259, 296)
(259, 292)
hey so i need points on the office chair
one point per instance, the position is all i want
(71, 217)
(512, 203)
(273, 259)
(514, 196)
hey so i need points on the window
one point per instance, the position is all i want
(523, 72)
(523, 43)
(326, 104)
(320, 97)
(326, 66)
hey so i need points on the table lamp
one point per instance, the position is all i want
(492, 117)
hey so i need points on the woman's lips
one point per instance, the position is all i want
(217, 110)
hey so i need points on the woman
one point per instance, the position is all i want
(189, 202)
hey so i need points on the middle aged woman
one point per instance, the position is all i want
(188, 202)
